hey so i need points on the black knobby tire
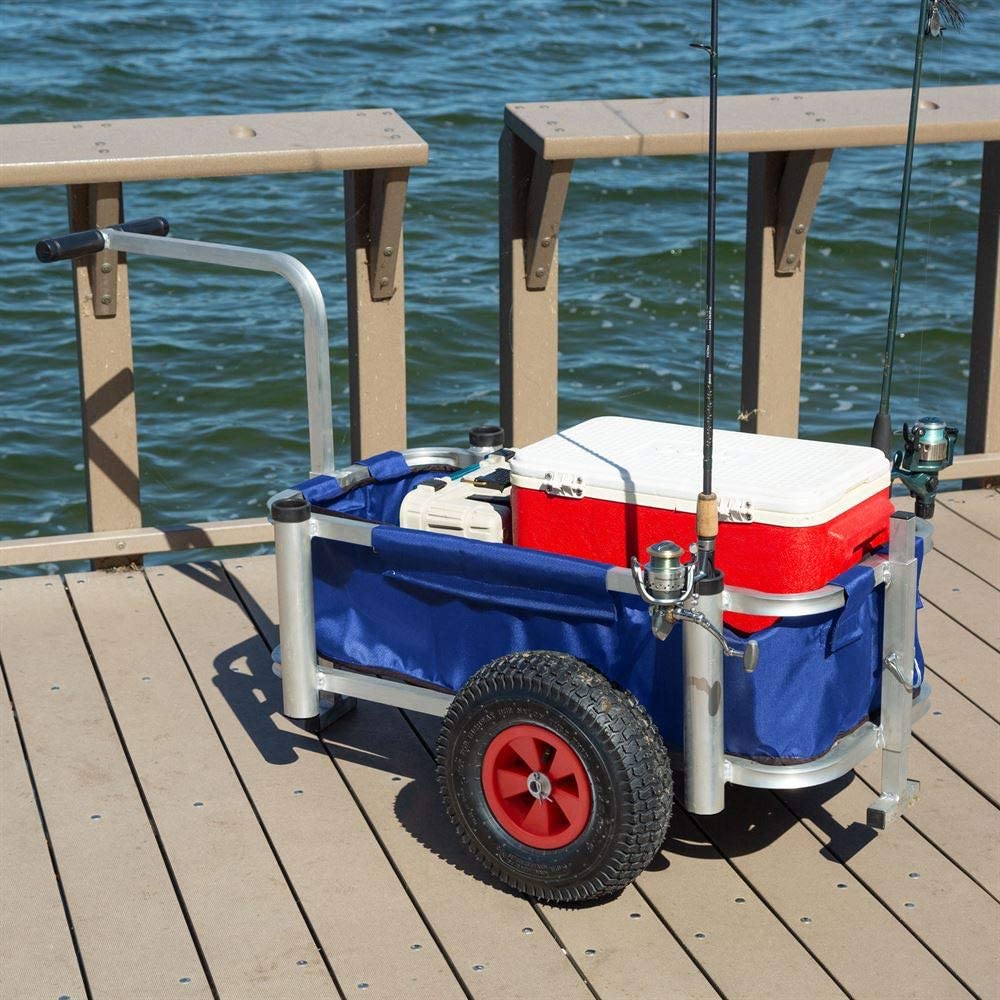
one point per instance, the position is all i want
(615, 740)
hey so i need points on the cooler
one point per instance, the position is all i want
(793, 514)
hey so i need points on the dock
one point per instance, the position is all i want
(167, 833)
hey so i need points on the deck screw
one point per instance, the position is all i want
(415, 947)
(539, 272)
(362, 986)
(590, 951)
(740, 899)
(910, 906)
(184, 979)
(914, 875)
(700, 936)
(301, 961)
(105, 268)
(298, 791)
(800, 228)
(634, 916)
(547, 242)
(105, 300)
(146, 679)
(790, 259)
(96, 816)
(527, 930)
(198, 805)
(120, 546)
(383, 281)
(478, 968)
(55, 687)
(805, 920)
(841, 885)
(388, 251)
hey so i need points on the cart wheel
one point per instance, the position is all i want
(558, 781)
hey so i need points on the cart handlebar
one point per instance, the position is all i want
(90, 241)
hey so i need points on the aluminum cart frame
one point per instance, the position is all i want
(313, 690)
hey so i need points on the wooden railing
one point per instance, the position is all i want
(374, 147)
(790, 139)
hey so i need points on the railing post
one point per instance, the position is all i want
(782, 191)
(532, 195)
(374, 201)
(107, 381)
(982, 422)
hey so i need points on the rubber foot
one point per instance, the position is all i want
(333, 709)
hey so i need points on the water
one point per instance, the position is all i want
(218, 356)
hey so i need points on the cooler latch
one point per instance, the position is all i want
(563, 484)
(731, 509)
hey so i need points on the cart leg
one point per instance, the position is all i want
(898, 656)
(300, 693)
(704, 761)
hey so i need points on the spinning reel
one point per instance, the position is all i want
(928, 449)
(665, 584)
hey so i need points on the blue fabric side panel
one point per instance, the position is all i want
(320, 490)
(386, 465)
(377, 501)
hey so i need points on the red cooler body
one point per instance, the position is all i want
(793, 514)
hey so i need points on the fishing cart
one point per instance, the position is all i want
(531, 597)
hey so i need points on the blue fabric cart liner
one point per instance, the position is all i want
(436, 608)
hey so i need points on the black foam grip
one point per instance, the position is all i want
(89, 241)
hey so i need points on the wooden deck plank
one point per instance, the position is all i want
(35, 942)
(300, 796)
(964, 736)
(786, 866)
(951, 814)
(962, 596)
(604, 940)
(248, 925)
(697, 892)
(961, 658)
(950, 913)
(117, 888)
(393, 778)
(967, 544)
(981, 507)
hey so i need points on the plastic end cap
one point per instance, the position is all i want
(291, 510)
(46, 250)
(486, 436)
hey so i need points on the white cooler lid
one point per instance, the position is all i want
(775, 480)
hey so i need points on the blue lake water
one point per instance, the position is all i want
(218, 354)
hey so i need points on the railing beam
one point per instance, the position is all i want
(373, 206)
(529, 318)
(107, 380)
(982, 424)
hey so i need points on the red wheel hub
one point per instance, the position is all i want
(536, 786)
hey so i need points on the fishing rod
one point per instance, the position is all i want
(707, 518)
(929, 445)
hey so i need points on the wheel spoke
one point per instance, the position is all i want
(509, 783)
(538, 819)
(563, 765)
(526, 747)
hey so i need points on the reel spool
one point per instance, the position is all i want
(928, 449)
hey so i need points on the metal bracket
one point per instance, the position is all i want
(798, 192)
(546, 201)
(386, 205)
(105, 209)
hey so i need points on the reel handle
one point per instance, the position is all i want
(90, 241)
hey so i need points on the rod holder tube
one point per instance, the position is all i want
(297, 622)
(704, 750)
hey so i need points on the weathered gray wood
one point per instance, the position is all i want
(375, 326)
(529, 319)
(296, 790)
(221, 860)
(950, 914)
(143, 149)
(128, 922)
(36, 947)
(107, 379)
(785, 865)
(982, 422)
(772, 311)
